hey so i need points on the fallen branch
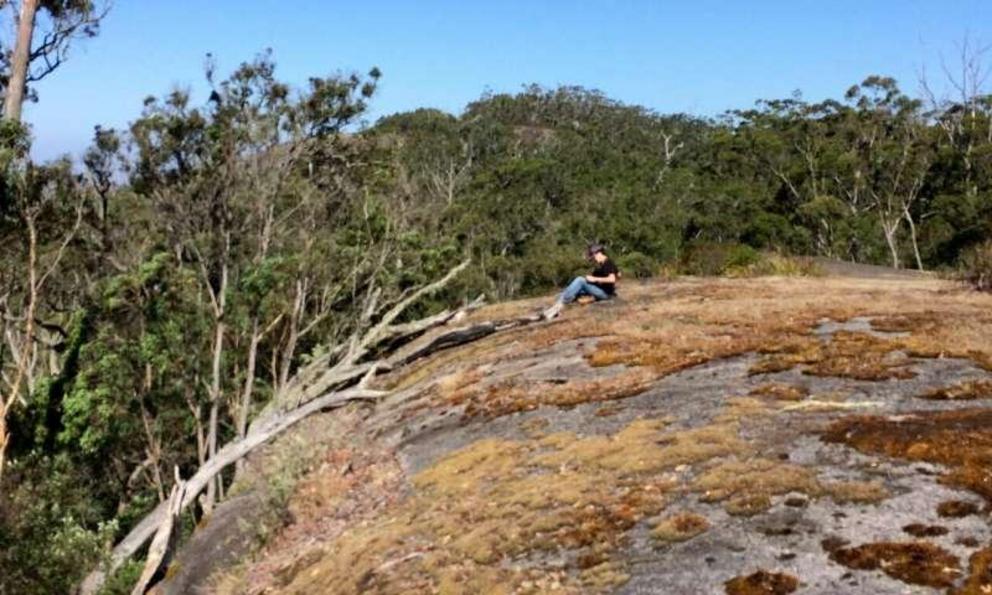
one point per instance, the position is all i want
(163, 542)
(816, 405)
(227, 455)
(314, 388)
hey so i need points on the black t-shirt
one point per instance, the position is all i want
(606, 269)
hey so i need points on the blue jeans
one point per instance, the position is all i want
(579, 286)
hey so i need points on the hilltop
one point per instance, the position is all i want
(754, 435)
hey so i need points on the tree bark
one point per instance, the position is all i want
(25, 356)
(163, 542)
(19, 61)
(220, 301)
(912, 235)
(889, 229)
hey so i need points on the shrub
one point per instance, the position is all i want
(976, 266)
(709, 259)
(637, 265)
(776, 265)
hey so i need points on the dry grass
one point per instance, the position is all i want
(680, 527)
(497, 500)
(755, 479)
(775, 317)
(962, 391)
(856, 492)
(924, 530)
(762, 582)
(662, 330)
(511, 396)
(956, 509)
(916, 563)
(502, 499)
(780, 391)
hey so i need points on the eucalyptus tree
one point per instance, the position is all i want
(236, 183)
(42, 31)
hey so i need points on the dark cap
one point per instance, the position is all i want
(592, 249)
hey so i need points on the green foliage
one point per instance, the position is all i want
(122, 582)
(976, 264)
(707, 259)
(52, 530)
(637, 265)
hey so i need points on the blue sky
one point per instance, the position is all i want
(701, 56)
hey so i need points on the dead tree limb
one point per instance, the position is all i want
(316, 388)
(163, 542)
(227, 455)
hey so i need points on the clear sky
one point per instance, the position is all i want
(695, 56)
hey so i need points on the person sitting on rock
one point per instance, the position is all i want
(600, 284)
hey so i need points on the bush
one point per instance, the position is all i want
(976, 264)
(707, 259)
(636, 265)
(772, 264)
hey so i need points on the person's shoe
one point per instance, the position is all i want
(553, 311)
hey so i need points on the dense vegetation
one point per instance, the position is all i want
(153, 300)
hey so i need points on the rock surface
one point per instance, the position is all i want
(698, 436)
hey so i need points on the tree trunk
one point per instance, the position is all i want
(25, 356)
(19, 61)
(213, 490)
(249, 379)
(912, 235)
(889, 228)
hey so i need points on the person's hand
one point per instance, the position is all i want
(590, 278)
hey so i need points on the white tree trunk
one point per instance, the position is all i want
(19, 61)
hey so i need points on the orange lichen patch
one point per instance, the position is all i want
(962, 391)
(924, 530)
(979, 580)
(916, 563)
(780, 391)
(959, 439)
(762, 582)
(680, 527)
(858, 492)
(510, 397)
(956, 509)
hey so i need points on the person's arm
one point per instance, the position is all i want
(611, 278)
